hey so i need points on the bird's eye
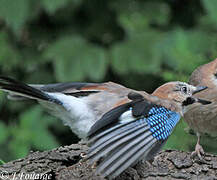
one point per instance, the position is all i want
(184, 89)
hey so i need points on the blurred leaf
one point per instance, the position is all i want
(210, 6)
(96, 64)
(1, 162)
(76, 59)
(175, 48)
(2, 97)
(135, 16)
(136, 53)
(184, 51)
(30, 119)
(202, 46)
(20, 142)
(43, 140)
(31, 132)
(157, 12)
(8, 55)
(52, 6)
(3, 132)
(15, 14)
(67, 70)
(174, 76)
(35, 121)
(19, 148)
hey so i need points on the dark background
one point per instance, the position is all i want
(138, 43)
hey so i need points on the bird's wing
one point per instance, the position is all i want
(76, 89)
(115, 93)
(128, 133)
(70, 87)
(18, 89)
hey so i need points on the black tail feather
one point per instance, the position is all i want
(19, 88)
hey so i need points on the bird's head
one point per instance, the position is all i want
(180, 92)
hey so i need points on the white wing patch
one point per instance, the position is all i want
(127, 117)
(74, 113)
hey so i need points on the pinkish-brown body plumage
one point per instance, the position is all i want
(203, 119)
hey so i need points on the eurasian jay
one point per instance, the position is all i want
(203, 119)
(137, 130)
(80, 105)
(123, 126)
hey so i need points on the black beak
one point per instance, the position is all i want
(203, 101)
(192, 100)
(199, 88)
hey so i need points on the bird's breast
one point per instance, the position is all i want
(202, 119)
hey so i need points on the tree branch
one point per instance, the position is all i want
(66, 163)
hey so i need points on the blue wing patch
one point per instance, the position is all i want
(129, 133)
(162, 121)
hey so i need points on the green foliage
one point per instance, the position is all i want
(210, 6)
(52, 6)
(7, 53)
(3, 132)
(133, 48)
(15, 14)
(186, 142)
(183, 139)
(1, 162)
(94, 40)
(30, 132)
(66, 53)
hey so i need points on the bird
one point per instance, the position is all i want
(79, 105)
(121, 125)
(203, 119)
(137, 130)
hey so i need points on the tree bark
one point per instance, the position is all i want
(67, 163)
